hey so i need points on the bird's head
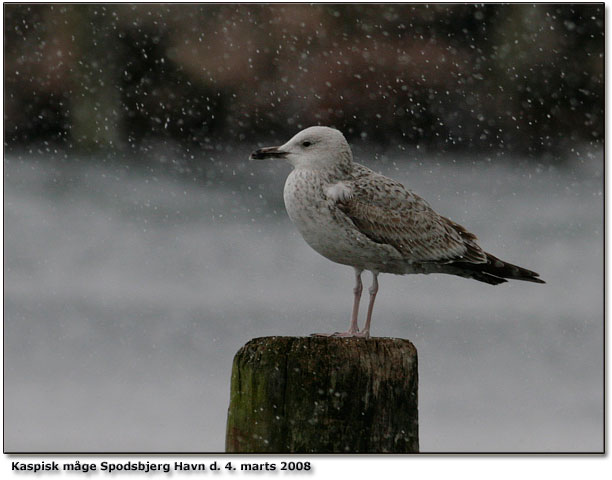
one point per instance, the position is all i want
(312, 148)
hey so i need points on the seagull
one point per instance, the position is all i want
(357, 217)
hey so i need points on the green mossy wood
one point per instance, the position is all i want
(323, 395)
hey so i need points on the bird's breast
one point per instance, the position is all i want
(307, 205)
(326, 229)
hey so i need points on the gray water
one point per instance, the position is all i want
(127, 294)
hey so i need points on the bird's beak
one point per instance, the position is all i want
(267, 152)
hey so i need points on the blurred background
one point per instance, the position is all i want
(142, 248)
(526, 78)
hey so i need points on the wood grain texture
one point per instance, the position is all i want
(324, 395)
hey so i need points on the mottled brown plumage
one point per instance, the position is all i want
(388, 213)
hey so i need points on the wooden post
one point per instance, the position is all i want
(324, 395)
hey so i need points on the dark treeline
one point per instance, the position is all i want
(523, 78)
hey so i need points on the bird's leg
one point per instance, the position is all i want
(373, 292)
(353, 330)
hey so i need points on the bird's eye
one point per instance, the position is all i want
(306, 144)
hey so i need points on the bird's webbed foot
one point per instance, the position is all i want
(349, 334)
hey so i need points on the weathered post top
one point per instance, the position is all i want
(324, 395)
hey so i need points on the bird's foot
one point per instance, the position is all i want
(348, 334)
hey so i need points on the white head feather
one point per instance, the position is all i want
(317, 148)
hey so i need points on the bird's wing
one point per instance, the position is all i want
(388, 213)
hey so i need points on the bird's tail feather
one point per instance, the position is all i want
(496, 271)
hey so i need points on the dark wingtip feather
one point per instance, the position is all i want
(496, 271)
(495, 266)
(531, 279)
